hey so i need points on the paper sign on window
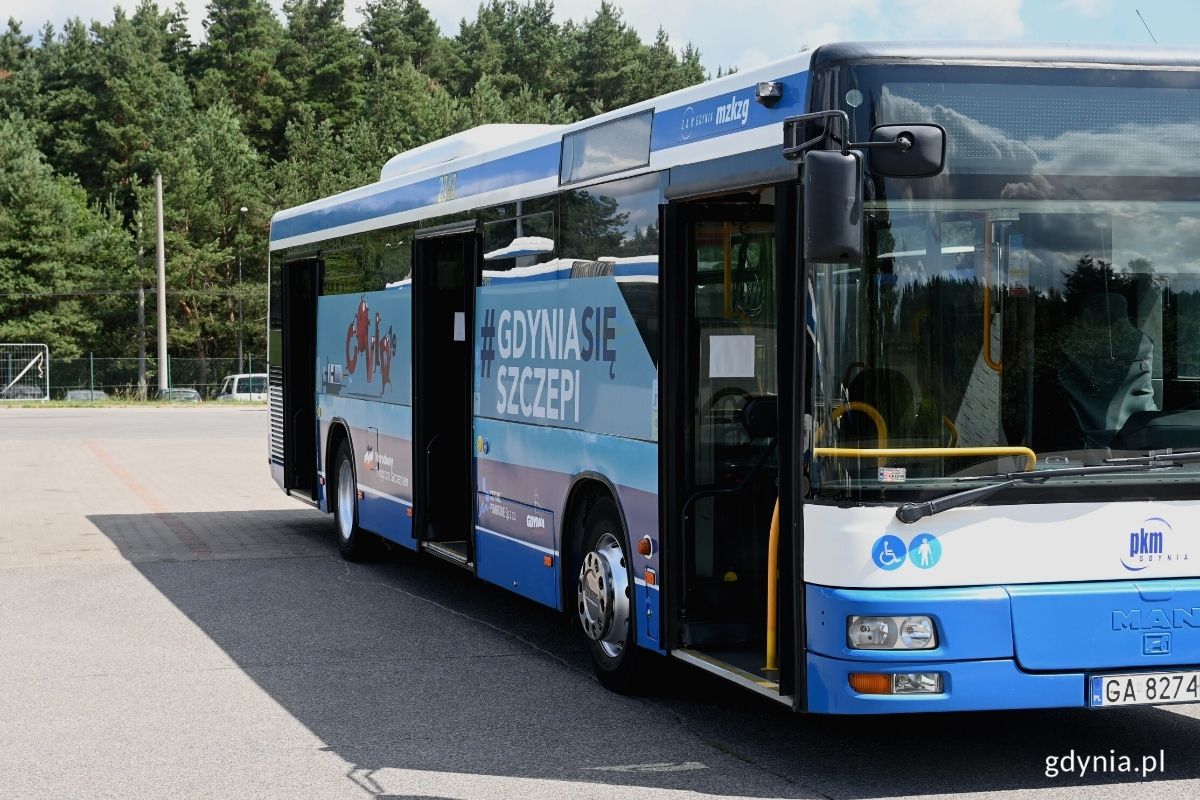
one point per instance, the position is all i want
(731, 356)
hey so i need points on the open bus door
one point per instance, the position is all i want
(446, 271)
(726, 379)
(297, 427)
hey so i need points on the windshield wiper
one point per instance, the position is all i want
(1162, 458)
(1155, 460)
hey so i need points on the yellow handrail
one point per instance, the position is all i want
(950, 426)
(881, 429)
(926, 452)
(773, 593)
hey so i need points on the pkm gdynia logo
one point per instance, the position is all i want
(1151, 543)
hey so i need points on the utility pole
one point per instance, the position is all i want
(141, 312)
(162, 290)
(241, 214)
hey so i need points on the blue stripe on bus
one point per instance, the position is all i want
(672, 127)
(518, 567)
(386, 516)
(518, 168)
(625, 462)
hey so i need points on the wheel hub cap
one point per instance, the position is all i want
(604, 595)
(345, 500)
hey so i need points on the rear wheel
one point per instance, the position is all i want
(604, 598)
(353, 542)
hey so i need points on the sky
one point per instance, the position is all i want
(746, 33)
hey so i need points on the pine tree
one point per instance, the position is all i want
(71, 84)
(514, 45)
(399, 31)
(146, 104)
(19, 78)
(237, 62)
(207, 178)
(609, 62)
(322, 61)
(55, 250)
(408, 108)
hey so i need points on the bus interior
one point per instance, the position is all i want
(729, 464)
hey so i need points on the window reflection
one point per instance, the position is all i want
(1070, 329)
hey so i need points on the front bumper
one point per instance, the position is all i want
(990, 685)
(1002, 647)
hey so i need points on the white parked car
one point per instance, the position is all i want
(244, 387)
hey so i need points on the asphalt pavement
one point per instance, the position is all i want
(172, 626)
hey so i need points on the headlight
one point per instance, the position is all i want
(891, 633)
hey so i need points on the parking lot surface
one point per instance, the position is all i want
(172, 626)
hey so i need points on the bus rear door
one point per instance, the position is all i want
(445, 273)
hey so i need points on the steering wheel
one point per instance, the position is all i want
(723, 396)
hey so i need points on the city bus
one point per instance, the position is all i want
(867, 380)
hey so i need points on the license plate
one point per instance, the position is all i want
(1145, 689)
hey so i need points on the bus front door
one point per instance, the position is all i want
(445, 274)
(726, 318)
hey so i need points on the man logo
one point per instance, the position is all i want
(1137, 619)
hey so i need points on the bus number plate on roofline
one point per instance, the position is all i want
(1144, 689)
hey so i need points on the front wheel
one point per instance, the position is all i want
(353, 541)
(605, 599)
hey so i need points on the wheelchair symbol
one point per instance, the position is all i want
(888, 552)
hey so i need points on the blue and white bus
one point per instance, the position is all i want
(868, 380)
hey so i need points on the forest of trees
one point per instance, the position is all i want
(264, 113)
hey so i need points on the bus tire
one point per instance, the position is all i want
(353, 542)
(605, 598)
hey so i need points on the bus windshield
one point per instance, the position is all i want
(1037, 306)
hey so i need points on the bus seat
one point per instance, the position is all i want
(889, 392)
(1105, 368)
(760, 416)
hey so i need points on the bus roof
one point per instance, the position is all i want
(496, 164)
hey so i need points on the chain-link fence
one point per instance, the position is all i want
(188, 379)
(24, 371)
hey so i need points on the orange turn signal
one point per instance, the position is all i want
(645, 547)
(548, 561)
(651, 578)
(870, 683)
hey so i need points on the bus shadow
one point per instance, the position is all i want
(410, 664)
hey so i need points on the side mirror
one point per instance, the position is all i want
(832, 183)
(917, 150)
